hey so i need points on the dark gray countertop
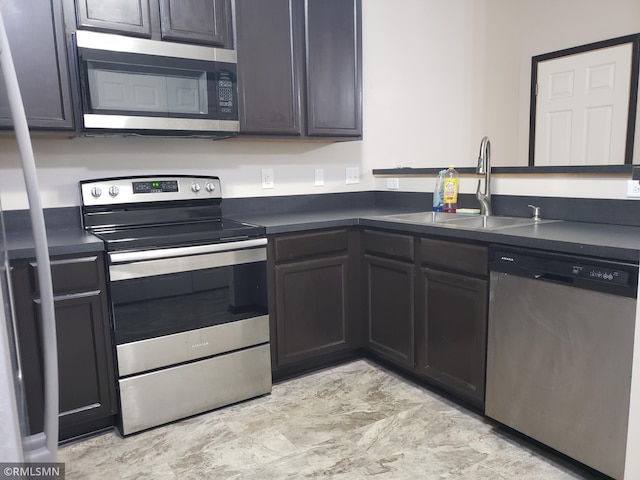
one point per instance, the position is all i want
(61, 242)
(616, 242)
(64, 234)
(292, 222)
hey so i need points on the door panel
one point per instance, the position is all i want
(41, 63)
(123, 16)
(197, 21)
(453, 346)
(270, 65)
(334, 85)
(582, 108)
(311, 308)
(390, 310)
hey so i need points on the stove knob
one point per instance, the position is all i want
(96, 192)
(210, 187)
(114, 191)
(195, 187)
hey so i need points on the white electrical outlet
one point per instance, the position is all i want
(267, 178)
(393, 183)
(633, 189)
(319, 177)
(353, 175)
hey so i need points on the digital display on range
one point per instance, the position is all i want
(155, 186)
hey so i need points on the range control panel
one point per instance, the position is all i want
(121, 190)
(155, 186)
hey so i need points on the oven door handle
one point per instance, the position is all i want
(143, 255)
(191, 263)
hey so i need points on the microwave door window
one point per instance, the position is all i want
(116, 90)
(187, 94)
(162, 91)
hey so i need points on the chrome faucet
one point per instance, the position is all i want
(484, 168)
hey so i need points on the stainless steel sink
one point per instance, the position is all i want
(493, 223)
(425, 217)
(455, 220)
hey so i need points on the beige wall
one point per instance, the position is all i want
(437, 77)
(520, 29)
(419, 94)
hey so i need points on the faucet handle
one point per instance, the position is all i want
(535, 212)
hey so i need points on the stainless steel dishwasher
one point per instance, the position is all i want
(559, 353)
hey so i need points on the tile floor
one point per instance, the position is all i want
(353, 421)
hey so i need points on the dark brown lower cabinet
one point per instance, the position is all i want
(86, 373)
(312, 308)
(313, 292)
(417, 302)
(452, 346)
(390, 308)
(452, 305)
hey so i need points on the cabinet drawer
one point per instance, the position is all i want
(451, 255)
(71, 275)
(306, 245)
(389, 244)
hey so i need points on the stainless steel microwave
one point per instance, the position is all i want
(156, 87)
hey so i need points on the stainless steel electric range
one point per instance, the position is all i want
(188, 296)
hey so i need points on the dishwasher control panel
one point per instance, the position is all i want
(583, 272)
(600, 273)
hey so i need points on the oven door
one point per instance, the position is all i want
(176, 305)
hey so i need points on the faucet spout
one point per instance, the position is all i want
(484, 168)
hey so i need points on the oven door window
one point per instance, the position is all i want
(160, 305)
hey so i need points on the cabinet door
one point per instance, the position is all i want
(452, 346)
(390, 308)
(121, 16)
(334, 67)
(35, 29)
(311, 308)
(270, 65)
(86, 374)
(84, 356)
(196, 21)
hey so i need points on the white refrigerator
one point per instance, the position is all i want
(17, 444)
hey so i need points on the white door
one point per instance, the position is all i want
(582, 107)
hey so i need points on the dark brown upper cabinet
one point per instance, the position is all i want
(299, 67)
(334, 67)
(122, 16)
(270, 43)
(196, 21)
(41, 62)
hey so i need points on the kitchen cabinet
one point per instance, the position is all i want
(197, 21)
(312, 293)
(334, 68)
(86, 372)
(390, 286)
(300, 67)
(452, 309)
(42, 64)
(119, 16)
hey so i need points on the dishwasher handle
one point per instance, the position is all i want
(554, 277)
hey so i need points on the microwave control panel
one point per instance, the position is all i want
(226, 86)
